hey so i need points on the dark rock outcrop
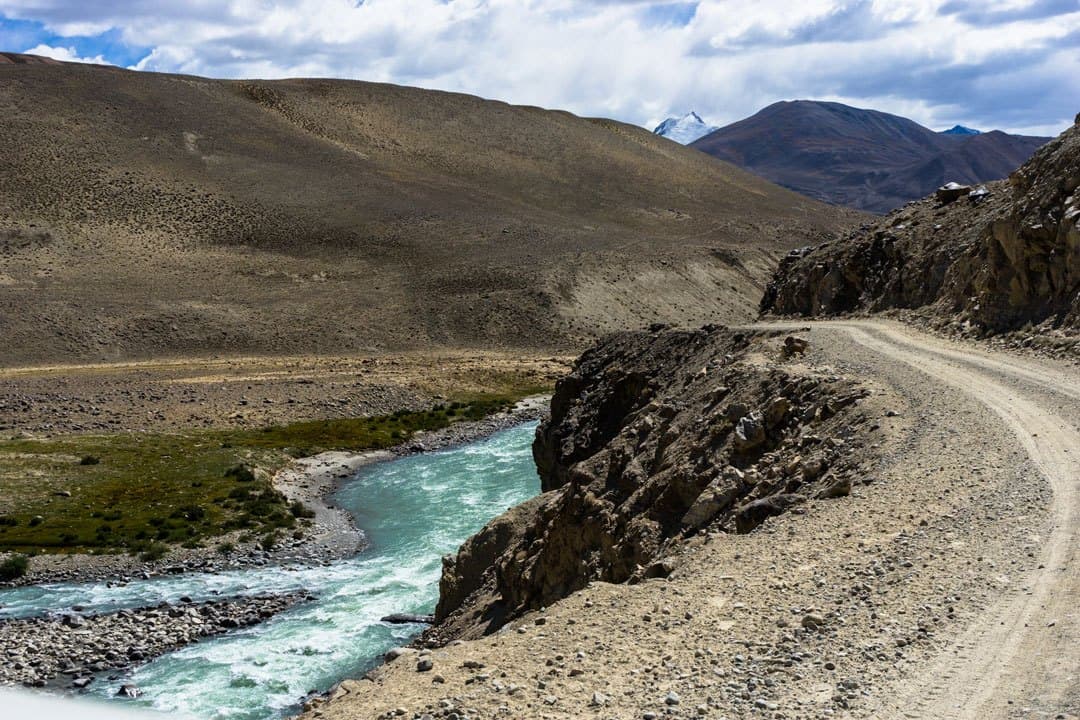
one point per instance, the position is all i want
(407, 619)
(991, 260)
(653, 436)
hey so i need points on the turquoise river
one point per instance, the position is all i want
(414, 510)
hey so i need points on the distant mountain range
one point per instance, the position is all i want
(863, 159)
(685, 129)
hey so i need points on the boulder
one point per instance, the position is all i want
(776, 412)
(795, 346)
(749, 432)
(840, 487)
(951, 192)
(752, 514)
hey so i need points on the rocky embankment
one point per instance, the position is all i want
(655, 436)
(983, 260)
(77, 646)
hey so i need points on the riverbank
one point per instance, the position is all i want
(330, 535)
(415, 511)
(69, 650)
(315, 480)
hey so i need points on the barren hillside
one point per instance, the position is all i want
(148, 215)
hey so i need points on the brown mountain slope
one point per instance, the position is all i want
(861, 158)
(148, 215)
(981, 263)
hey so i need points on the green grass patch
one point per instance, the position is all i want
(146, 492)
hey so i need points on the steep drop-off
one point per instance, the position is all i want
(981, 260)
(655, 436)
(148, 215)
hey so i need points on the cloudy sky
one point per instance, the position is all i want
(1009, 64)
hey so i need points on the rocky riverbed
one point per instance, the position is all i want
(69, 650)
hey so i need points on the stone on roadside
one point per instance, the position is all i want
(795, 346)
(841, 487)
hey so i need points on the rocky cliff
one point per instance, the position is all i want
(984, 260)
(653, 437)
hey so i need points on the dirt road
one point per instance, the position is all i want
(1027, 644)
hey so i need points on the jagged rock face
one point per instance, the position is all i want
(653, 436)
(467, 585)
(993, 262)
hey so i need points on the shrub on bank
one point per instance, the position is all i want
(154, 551)
(241, 473)
(14, 567)
(269, 540)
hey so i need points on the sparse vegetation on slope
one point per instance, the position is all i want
(147, 215)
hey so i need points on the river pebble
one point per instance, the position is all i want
(39, 650)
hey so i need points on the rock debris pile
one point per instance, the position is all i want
(77, 646)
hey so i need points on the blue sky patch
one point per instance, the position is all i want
(21, 35)
(678, 14)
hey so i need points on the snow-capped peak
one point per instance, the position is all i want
(961, 130)
(685, 129)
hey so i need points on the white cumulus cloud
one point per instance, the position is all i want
(67, 54)
(1013, 64)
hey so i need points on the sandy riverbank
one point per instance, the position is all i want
(313, 481)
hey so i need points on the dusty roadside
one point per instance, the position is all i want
(940, 588)
(171, 395)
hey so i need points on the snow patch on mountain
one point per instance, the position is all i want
(685, 129)
(961, 130)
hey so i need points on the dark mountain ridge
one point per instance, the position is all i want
(860, 158)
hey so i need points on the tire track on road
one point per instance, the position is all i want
(1028, 644)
